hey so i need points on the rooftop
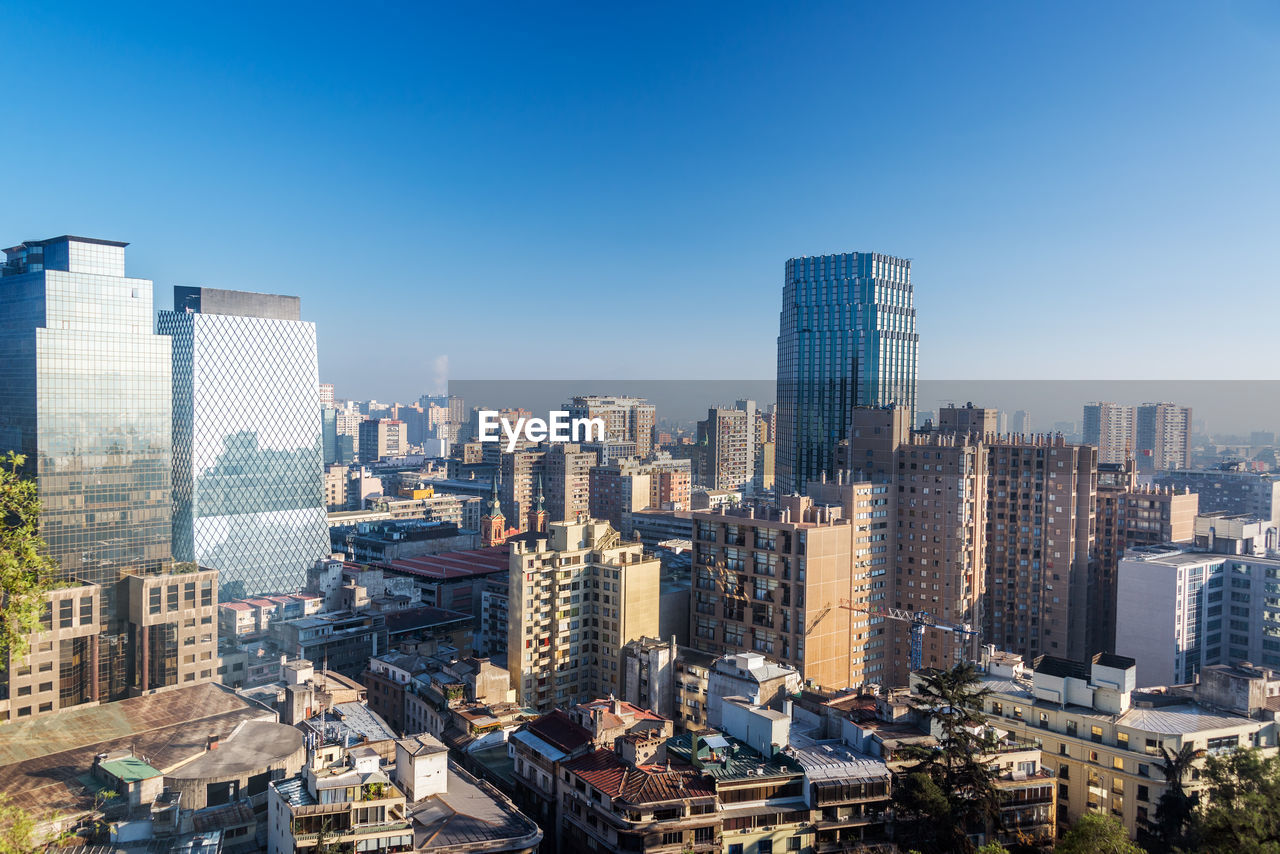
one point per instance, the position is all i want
(560, 731)
(452, 565)
(129, 769)
(47, 759)
(472, 814)
(252, 747)
(639, 784)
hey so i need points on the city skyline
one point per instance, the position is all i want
(1068, 168)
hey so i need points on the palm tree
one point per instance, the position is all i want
(1175, 808)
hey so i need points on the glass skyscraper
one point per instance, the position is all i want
(847, 337)
(247, 446)
(84, 394)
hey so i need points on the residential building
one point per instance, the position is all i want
(378, 542)
(381, 438)
(977, 421)
(752, 677)
(621, 487)
(342, 641)
(668, 679)
(773, 580)
(1040, 518)
(626, 419)
(1128, 515)
(847, 337)
(1111, 428)
(566, 483)
(727, 461)
(1163, 437)
(1230, 489)
(576, 597)
(1102, 737)
(247, 462)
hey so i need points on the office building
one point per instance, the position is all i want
(1129, 514)
(85, 396)
(576, 598)
(1163, 437)
(247, 471)
(847, 337)
(1020, 422)
(1111, 428)
(1182, 608)
(381, 438)
(626, 419)
(1230, 489)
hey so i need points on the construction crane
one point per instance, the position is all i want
(919, 620)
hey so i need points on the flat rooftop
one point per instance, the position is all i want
(251, 748)
(47, 760)
(452, 565)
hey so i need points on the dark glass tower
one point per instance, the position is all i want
(847, 337)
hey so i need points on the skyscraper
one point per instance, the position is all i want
(248, 478)
(1163, 432)
(85, 394)
(847, 337)
(1109, 427)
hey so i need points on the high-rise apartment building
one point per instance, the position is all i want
(576, 598)
(1041, 495)
(1129, 515)
(381, 438)
(566, 478)
(326, 394)
(1230, 489)
(626, 485)
(727, 461)
(1020, 422)
(1163, 434)
(247, 461)
(626, 419)
(776, 580)
(847, 337)
(973, 420)
(1109, 427)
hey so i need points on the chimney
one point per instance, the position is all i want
(212, 743)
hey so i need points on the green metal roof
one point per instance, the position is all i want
(131, 769)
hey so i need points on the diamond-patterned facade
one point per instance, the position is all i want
(248, 477)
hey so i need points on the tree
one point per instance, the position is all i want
(1095, 833)
(17, 829)
(25, 569)
(961, 792)
(1176, 808)
(1242, 812)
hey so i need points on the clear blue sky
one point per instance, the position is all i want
(609, 190)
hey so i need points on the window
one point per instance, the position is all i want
(1095, 734)
(1144, 794)
(793, 843)
(765, 846)
(1122, 740)
(672, 838)
(735, 848)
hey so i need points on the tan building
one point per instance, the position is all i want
(1102, 738)
(628, 485)
(978, 421)
(575, 599)
(727, 461)
(774, 580)
(176, 620)
(626, 419)
(335, 486)
(381, 438)
(60, 670)
(567, 481)
(1163, 437)
(1130, 515)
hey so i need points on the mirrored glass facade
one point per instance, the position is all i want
(85, 395)
(248, 474)
(847, 337)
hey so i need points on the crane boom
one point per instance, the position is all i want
(919, 620)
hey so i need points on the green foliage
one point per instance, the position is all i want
(17, 829)
(950, 789)
(993, 848)
(25, 569)
(1243, 808)
(1176, 807)
(1095, 833)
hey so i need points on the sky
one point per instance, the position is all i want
(492, 191)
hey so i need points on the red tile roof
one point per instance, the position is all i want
(451, 565)
(641, 784)
(558, 729)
